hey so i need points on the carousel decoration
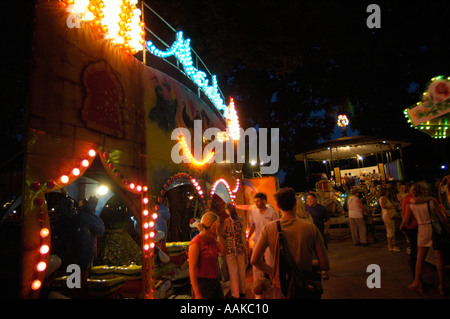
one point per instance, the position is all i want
(431, 114)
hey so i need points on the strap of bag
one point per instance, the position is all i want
(284, 246)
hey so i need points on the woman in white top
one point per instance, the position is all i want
(356, 219)
(418, 206)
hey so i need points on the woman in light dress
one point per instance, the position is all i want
(418, 206)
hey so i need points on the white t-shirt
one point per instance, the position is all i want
(260, 220)
(354, 211)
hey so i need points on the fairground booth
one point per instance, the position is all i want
(109, 133)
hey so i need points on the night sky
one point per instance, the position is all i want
(295, 65)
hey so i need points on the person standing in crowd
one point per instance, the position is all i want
(356, 214)
(321, 219)
(402, 193)
(301, 211)
(236, 251)
(259, 218)
(418, 206)
(409, 228)
(204, 251)
(304, 240)
(387, 214)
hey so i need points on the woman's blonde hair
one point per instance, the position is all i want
(208, 219)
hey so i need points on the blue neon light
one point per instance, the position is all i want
(181, 49)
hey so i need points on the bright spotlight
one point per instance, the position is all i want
(102, 190)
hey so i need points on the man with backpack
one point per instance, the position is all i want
(304, 242)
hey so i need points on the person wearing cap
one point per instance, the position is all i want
(204, 251)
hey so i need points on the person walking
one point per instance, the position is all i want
(304, 241)
(236, 251)
(258, 219)
(356, 214)
(321, 219)
(204, 251)
(419, 207)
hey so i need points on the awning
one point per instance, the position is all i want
(350, 147)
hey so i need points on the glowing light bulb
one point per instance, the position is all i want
(41, 266)
(44, 232)
(76, 172)
(64, 179)
(85, 163)
(36, 284)
(44, 249)
(102, 190)
(91, 152)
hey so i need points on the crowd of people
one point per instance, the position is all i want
(306, 227)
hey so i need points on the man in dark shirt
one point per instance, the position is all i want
(321, 219)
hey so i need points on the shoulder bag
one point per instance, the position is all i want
(295, 282)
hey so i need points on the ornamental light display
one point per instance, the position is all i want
(233, 122)
(342, 121)
(119, 21)
(181, 50)
(431, 115)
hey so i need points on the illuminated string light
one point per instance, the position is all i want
(41, 266)
(44, 249)
(233, 127)
(236, 187)
(187, 153)
(181, 50)
(224, 182)
(36, 284)
(44, 232)
(119, 20)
